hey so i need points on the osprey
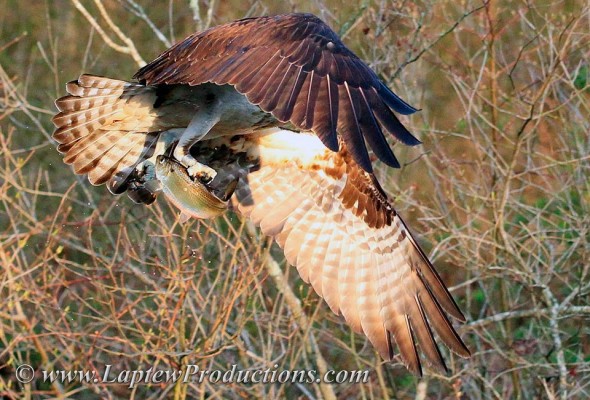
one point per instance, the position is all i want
(282, 106)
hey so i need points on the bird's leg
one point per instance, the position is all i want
(149, 170)
(144, 187)
(146, 168)
(151, 183)
(204, 119)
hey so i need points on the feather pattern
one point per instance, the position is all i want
(346, 240)
(102, 133)
(270, 59)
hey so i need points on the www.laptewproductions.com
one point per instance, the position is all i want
(188, 374)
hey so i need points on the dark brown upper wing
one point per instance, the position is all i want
(295, 67)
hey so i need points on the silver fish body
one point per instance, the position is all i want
(190, 195)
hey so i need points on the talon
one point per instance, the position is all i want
(201, 171)
(194, 168)
(230, 189)
(149, 171)
(145, 171)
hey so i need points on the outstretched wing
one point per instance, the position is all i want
(337, 227)
(295, 67)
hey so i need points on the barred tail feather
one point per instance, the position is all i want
(105, 128)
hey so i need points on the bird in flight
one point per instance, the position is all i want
(282, 110)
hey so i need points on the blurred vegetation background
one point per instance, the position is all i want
(498, 195)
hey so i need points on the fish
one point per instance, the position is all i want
(192, 196)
